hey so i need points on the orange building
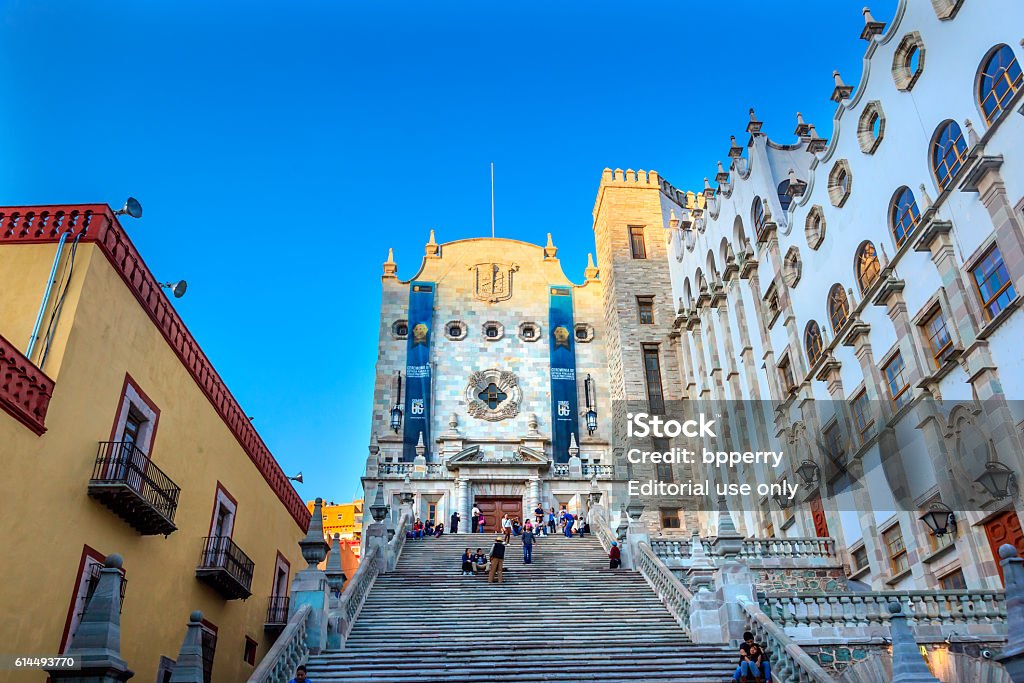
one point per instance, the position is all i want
(345, 519)
(118, 436)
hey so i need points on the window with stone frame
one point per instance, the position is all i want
(895, 550)
(249, 654)
(772, 305)
(862, 417)
(859, 558)
(652, 373)
(664, 469)
(903, 215)
(992, 282)
(786, 379)
(895, 372)
(636, 242)
(840, 183)
(867, 266)
(758, 216)
(999, 79)
(833, 438)
(908, 61)
(871, 127)
(813, 343)
(953, 581)
(670, 518)
(814, 227)
(937, 337)
(838, 308)
(645, 309)
(948, 153)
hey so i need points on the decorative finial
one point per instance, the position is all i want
(871, 27)
(735, 151)
(926, 197)
(754, 127)
(802, 128)
(591, 272)
(431, 249)
(721, 177)
(841, 91)
(550, 250)
(390, 267)
(972, 135)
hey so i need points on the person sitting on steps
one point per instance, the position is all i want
(439, 530)
(753, 661)
(479, 562)
(467, 563)
(417, 529)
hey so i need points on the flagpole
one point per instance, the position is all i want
(492, 199)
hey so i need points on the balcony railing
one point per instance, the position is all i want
(126, 481)
(277, 613)
(224, 566)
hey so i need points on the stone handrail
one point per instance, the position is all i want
(354, 595)
(871, 608)
(394, 468)
(287, 652)
(673, 594)
(600, 528)
(599, 471)
(396, 544)
(753, 550)
(789, 661)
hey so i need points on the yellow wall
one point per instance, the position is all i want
(347, 524)
(48, 516)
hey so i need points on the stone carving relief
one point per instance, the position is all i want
(493, 395)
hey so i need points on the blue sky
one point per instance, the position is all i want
(279, 150)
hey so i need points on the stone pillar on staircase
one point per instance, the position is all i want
(188, 668)
(97, 640)
(734, 580)
(635, 535)
(462, 505)
(1012, 656)
(908, 666)
(376, 534)
(575, 464)
(309, 587)
(705, 609)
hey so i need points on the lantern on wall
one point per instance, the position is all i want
(809, 472)
(591, 398)
(396, 408)
(940, 519)
(998, 480)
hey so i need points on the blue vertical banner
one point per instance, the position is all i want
(564, 402)
(417, 368)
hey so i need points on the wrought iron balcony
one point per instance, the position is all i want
(224, 566)
(277, 613)
(126, 481)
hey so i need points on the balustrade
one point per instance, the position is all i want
(673, 594)
(287, 652)
(789, 661)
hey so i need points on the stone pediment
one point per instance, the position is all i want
(520, 457)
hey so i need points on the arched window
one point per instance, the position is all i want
(999, 77)
(813, 342)
(784, 197)
(838, 307)
(948, 153)
(757, 214)
(903, 215)
(867, 266)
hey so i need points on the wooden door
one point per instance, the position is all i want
(1004, 528)
(493, 508)
(818, 515)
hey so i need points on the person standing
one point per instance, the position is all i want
(482, 523)
(506, 527)
(528, 537)
(568, 521)
(551, 521)
(475, 519)
(497, 560)
(538, 517)
(614, 556)
(581, 525)
(455, 519)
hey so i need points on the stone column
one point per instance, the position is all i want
(987, 181)
(97, 641)
(188, 668)
(534, 495)
(732, 373)
(693, 325)
(309, 587)
(462, 505)
(1012, 656)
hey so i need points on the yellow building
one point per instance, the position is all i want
(345, 519)
(118, 436)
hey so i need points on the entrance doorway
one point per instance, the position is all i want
(1004, 528)
(494, 508)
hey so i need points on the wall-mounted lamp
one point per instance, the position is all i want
(998, 479)
(297, 477)
(940, 519)
(591, 399)
(809, 472)
(783, 501)
(177, 288)
(396, 408)
(131, 208)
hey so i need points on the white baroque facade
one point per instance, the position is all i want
(848, 281)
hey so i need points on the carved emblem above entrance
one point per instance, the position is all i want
(493, 281)
(493, 395)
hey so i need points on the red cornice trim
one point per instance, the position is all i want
(97, 223)
(25, 390)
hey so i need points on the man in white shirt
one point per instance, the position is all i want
(475, 519)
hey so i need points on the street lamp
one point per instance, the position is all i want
(998, 479)
(784, 502)
(809, 472)
(396, 408)
(588, 389)
(940, 519)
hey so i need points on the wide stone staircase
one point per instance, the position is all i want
(565, 617)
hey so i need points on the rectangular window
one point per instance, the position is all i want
(786, 375)
(636, 242)
(834, 442)
(670, 518)
(954, 581)
(862, 412)
(940, 344)
(249, 654)
(993, 282)
(431, 511)
(860, 558)
(662, 445)
(209, 644)
(652, 370)
(645, 307)
(896, 378)
(897, 552)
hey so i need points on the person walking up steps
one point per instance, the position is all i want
(497, 560)
(614, 556)
(528, 538)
